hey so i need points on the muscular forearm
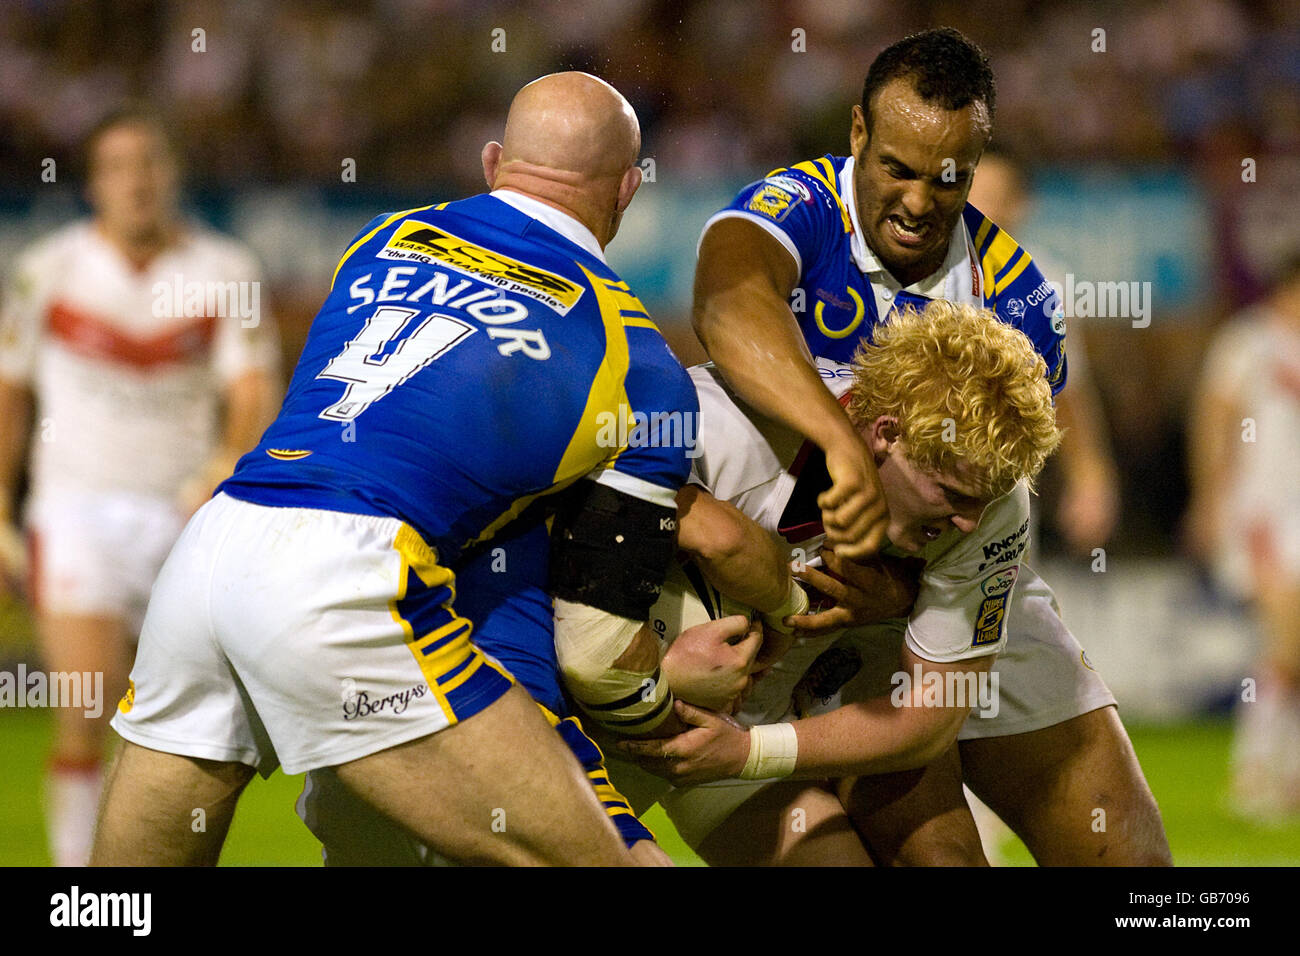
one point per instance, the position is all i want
(737, 557)
(872, 737)
(901, 731)
(764, 359)
(742, 317)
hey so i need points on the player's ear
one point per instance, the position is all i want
(858, 135)
(628, 186)
(491, 156)
(882, 434)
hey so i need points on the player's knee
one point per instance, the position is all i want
(946, 847)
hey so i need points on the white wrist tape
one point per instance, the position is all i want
(796, 602)
(587, 643)
(773, 752)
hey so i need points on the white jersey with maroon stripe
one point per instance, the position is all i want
(1254, 362)
(128, 364)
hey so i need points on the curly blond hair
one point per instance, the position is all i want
(965, 387)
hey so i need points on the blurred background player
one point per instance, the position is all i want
(1244, 522)
(139, 345)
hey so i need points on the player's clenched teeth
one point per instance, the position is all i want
(908, 231)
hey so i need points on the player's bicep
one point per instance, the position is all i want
(738, 253)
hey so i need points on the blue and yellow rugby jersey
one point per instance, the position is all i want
(467, 360)
(810, 209)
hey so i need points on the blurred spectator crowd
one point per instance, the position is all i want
(285, 90)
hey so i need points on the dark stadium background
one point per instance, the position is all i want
(1135, 156)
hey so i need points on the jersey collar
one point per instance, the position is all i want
(553, 219)
(949, 281)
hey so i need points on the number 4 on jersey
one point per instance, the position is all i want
(377, 361)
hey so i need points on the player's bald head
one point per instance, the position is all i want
(572, 123)
(571, 142)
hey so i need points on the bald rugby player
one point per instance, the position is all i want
(453, 383)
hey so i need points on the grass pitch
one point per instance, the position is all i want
(1186, 764)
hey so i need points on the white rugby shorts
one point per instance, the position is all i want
(300, 636)
(98, 552)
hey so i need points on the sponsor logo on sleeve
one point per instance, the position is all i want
(776, 197)
(1008, 549)
(988, 624)
(792, 186)
(999, 583)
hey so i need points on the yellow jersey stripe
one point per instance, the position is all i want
(1010, 277)
(807, 167)
(826, 176)
(470, 669)
(366, 238)
(999, 253)
(829, 171)
(606, 392)
(983, 231)
(835, 191)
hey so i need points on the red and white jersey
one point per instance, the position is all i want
(1255, 362)
(128, 364)
(756, 464)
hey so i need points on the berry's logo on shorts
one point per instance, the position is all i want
(357, 703)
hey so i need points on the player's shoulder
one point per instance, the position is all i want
(1011, 279)
(218, 248)
(54, 247)
(796, 195)
(811, 186)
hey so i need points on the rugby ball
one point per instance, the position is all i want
(688, 599)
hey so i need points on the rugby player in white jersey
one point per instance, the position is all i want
(1244, 522)
(867, 706)
(841, 238)
(138, 351)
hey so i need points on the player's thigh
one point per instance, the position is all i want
(790, 823)
(153, 802)
(1074, 792)
(915, 818)
(353, 833)
(497, 787)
